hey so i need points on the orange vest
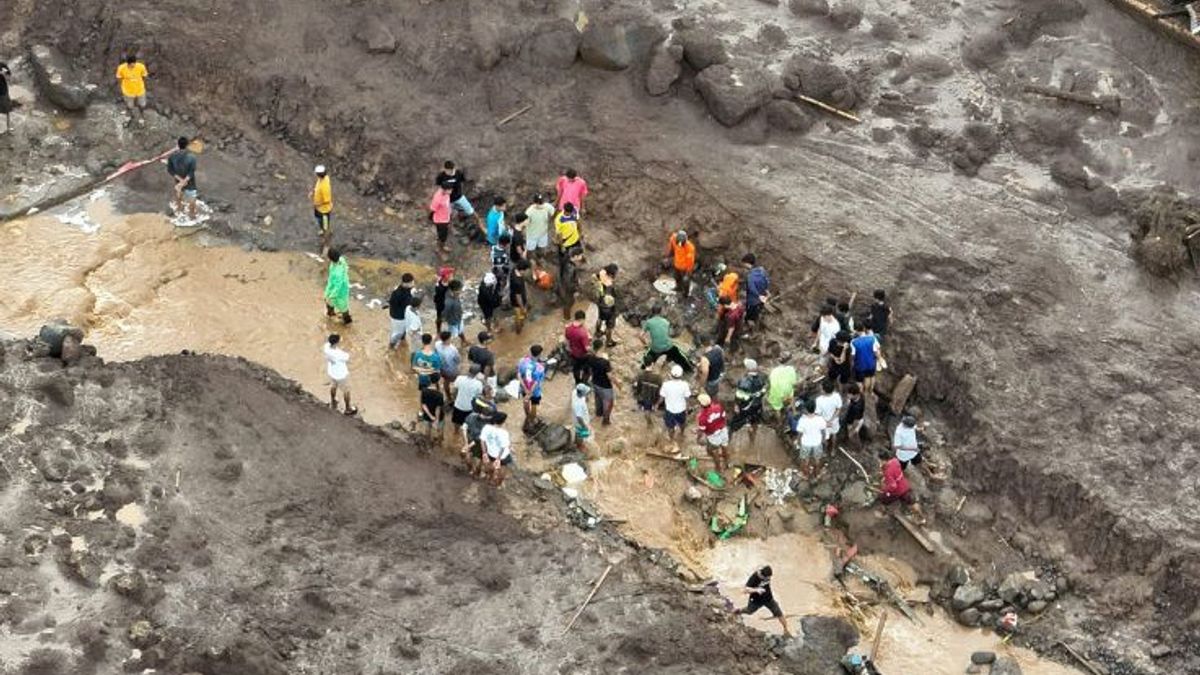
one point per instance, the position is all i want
(685, 255)
(729, 286)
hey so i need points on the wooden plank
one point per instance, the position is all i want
(878, 636)
(1082, 661)
(916, 534)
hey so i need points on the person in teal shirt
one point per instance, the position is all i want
(337, 287)
(657, 338)
(426, 361)
(495, 221)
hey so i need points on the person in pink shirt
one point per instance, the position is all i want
(571, 189)
(439, 212)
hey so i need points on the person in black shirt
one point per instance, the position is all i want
(399, 301)
(758, 587)
(480, 355)
(881, 315)
(489, 300)
(518, 296)
(453, 180)
(602, 383)
(854, 414)
(840, 362)
(6, 104)
(181, 165)
(605, 295)
(445, 275)
(433, 407)
(516, 244)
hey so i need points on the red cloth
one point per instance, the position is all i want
(711, 419)
(895, 485)
(578, 340)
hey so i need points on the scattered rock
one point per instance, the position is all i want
(882, 135)
(991, 605)
(809, 7)
(555, 45)
(55, 334)
(983, 658)
(845, 16)
(968, 595)
(664, 68)
(969, 617)
(772, 35)
(618, 41)
(820, 80)
(702, 49)
(83, 566)
(958, 575)
(131, 585)
(228, 472)
(1037, 606)
(1012, 589)
(377, 37)
(985, 50)
(975, 511)
(1159, 651)
(1005, 666)
(858, 494)
(732, 94)
(1069, 172)
(789, 116)
(885, 28)
(58, 81)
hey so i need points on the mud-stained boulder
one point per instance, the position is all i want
(58, 81)
(823, 81)
(620, 40)
(555, 44)
(702, 48)
(732, 93)
(664, 68)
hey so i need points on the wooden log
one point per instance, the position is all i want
(599, 583)
(828, 108)
(1109, 104)
(1082, 661)
(916, 534)
(878, 636)
(901, 392)
(515, 115)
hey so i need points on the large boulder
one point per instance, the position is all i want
(664, 68)
(58, 81)
(732, 93)
(703, 48)
(618, 41)
(823, 81)
(967, 595)
(555, 44)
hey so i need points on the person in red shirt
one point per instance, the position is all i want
(439, 213)
(731, 317)
(895, 487)
(682, 254)
(578, 344)
(712, 431)
(571, 190)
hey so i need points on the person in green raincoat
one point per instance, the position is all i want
(337, 288)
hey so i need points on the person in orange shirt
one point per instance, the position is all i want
(728, 287)
(132, 76)
(682, 253)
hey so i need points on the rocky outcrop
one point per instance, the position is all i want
(555, 45)
(664, 68)
(618, 41)
(732, 93)
(58, 81)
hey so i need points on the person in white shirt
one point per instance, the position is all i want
(412, 324)
(338, 369)
(829, 407)
(673, 396)
(827, 327)
(497, 448)
(904, 442)
(811, 429)
(583, 416)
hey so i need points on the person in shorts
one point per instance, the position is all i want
(465, 388)
(454, 180)
(439, 213)
(132, 76)
(758, 587)
(433, 404)
(712, 431)
(603, 383)
(531, 372)
(537, 228)
(866, 354)
(645, 390)
(397, 305)
(497, 448)
(181, 166)
(338, 369)
(674, 395)
(810, 427)
(472, 450)
(829, 407)
(322, 198)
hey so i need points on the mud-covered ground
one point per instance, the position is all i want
(1058, 372)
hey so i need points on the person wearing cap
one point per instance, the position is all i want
(537, 227)
(748, 398)
(582, 415)
(904, 442)
(489, 300)
(758, 587)
(571, 190)
(656, 335)
(441, 288)
(439, 213)
(531, 373)
(337, 287)
(605, 296)
(322, 199)
(673, 397)
(712, 431)
(497, 448)
(682, 254)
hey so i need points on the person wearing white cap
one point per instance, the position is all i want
(673, 395)
(712, 430)
(322, 198)
(489, 299)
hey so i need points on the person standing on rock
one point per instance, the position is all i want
(531, 373)
(497, 448)
(132, 76)
(867, 355)
(455, 180)
(181, 166)
(439, 213)
(322, 199)
(758, 291)
(682, 254)
(712, 431)
(337, 287)
(673, 396)
(571, 190)
(6, 104)
(397, 305)
(575, 334)
(758, 587)
(748, 397)
(603, 383)
(656, 335)
(604, 294)
(537, 229)
(338, 369)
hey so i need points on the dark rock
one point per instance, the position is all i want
(968, 595)
(702, 49)
(131, 585)
(788, 116)
(846, 16)
(991, 605)
(983, 658)
(1069, 172)
(882, 135)
(732, 94)
(969, 617)
(809, 7)
(377, 37)
(1013, 588)
(772, 35)
(1037, 606)
(228, 472)
(1005, 666)
(958, 575)
(618, 41)
(555, 44)
(664, 68)
(885, 28)
(58, 81)
(820, 80)
(83, 566)
(54, 334)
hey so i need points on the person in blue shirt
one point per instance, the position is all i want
(532, 373)
(867, 355)
(758, 291)
(426, 361)
(495, 221)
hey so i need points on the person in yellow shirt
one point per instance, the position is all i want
(322, 196)
(132, 76)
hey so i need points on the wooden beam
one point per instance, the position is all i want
(916, 534)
